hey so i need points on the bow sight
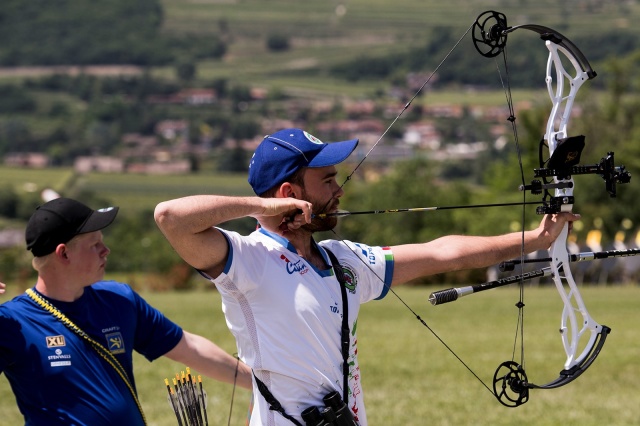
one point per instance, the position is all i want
(563, 164)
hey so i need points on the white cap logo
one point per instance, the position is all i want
(313, 139)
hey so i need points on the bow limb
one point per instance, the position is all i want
(577, 58)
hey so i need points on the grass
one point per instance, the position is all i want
(411, 379)
(34, 180)
(323, 33)
(140, 192)
(366, 17)
(136, 192)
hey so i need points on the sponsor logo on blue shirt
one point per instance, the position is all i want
(115, 343)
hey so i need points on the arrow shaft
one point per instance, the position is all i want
(422, 209)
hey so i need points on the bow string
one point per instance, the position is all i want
(582, 337)
(566, 71)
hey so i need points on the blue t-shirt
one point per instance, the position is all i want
(57, 377)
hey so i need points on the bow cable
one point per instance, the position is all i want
(519, 332)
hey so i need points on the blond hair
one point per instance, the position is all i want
(40, 262)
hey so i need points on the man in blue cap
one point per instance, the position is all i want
(293, 303)
(66, 345)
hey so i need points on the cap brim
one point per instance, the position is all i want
(334, 153)
(98, 220)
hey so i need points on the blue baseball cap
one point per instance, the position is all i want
(283, 153)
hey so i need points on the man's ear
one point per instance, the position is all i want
(288, 190)
(61, 252)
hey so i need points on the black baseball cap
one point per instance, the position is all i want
(59, 220)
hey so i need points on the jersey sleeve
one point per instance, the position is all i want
(245, 262)
(156, 334)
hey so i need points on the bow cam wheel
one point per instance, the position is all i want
(488, 33)
(510, 384)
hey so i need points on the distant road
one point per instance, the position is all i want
(101, 70)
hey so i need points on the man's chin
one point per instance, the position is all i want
(321, 225)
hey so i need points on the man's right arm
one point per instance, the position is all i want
(188, 224)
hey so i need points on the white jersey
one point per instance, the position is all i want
(286, 316)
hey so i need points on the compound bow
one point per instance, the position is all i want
(510, 383)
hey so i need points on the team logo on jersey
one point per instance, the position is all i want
(293, 267)
(55, 341)
(115, 343)
(350, 278)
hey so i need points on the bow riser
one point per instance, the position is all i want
(562, 105)
(571, 330)
(559, 112)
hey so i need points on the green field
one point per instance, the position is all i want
(134, 191)
(323, 33)
(145, 191)
(411, 379)
(381, 18)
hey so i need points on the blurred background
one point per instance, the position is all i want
(130, 103)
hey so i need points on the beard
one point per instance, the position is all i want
(321, 224)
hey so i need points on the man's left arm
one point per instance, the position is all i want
(458, 252)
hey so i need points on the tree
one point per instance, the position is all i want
(277, 42)
(186, 70)
(14, 99)
(8, 201)
(61, 32)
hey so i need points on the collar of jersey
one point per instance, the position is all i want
(287, 244)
